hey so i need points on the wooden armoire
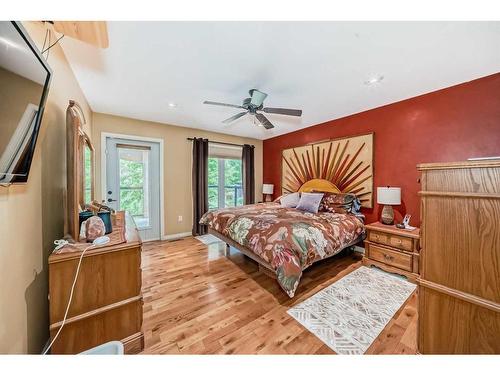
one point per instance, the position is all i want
(459, 286)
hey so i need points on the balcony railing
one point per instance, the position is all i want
(232, 196)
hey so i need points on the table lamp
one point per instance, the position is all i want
(388, 196)
(267, 190)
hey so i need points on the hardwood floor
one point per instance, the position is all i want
(198, 301)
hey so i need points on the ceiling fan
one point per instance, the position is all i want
(253, 105)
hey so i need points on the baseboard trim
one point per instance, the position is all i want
(133, 344)
(176, 236)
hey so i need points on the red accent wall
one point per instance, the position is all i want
(452, 124)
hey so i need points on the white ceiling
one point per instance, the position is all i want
(319, 67)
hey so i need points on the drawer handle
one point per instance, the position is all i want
(388, 257)
(399, 241)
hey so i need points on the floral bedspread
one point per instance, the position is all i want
(289, 239)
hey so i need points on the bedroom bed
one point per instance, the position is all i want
(285, 241)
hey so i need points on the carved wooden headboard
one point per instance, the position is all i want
(337, 165)
(319, 184)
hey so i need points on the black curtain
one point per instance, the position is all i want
(200, 184)
(247, 161)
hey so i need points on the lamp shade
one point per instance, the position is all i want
(267, 188)
(389, 195)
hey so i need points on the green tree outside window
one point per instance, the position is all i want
(228, 172)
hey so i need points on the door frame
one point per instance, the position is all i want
(129, 137)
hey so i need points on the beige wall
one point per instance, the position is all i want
(32, 217)
(177, 162)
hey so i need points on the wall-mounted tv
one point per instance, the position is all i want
(24, 84)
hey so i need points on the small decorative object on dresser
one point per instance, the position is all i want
(388, 196)
(267, 190)
(392, 249)
(94, 227)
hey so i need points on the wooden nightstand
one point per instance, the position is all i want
(392, 249)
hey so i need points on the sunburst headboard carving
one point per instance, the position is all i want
(337, 165)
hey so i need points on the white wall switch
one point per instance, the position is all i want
(179, 219)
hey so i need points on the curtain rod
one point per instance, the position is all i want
(222, 143)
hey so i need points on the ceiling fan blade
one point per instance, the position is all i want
(283, 111)
(235, 117)
(257, 97)
(223, 104)
(264, 121)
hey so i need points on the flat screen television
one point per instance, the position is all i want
(24, 84)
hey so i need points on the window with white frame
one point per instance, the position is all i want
(225, 185)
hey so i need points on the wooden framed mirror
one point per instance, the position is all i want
(80, 168)
(86, 183)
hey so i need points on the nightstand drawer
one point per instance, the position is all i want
(378, 237)
(390, 257)
(403, 243)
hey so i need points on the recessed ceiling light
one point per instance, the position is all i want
(172, 105)
(374, 80)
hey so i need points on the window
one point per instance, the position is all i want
(87, 174)
(133, 173)
(224, 183)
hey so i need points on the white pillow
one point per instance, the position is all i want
(310, 202)
(290, 200)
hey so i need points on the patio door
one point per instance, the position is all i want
(133, 182)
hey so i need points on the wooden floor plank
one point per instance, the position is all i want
(197, 300)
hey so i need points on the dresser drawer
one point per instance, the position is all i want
(390, 257)
(403, 243)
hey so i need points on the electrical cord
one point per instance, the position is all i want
(70, 294)
(59, 244)
(48, 49)
(53, 44)
(48, 33)
(45, 39)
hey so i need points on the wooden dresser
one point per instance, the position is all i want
(107, 301)
(459, 286)
(392, 249)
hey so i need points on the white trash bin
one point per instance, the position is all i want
(109, 348)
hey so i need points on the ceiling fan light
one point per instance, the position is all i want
(257, 98)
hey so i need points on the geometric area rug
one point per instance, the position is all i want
(349, 314)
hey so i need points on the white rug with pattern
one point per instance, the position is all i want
(349, 314)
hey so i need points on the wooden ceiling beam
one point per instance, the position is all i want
(91, 32)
